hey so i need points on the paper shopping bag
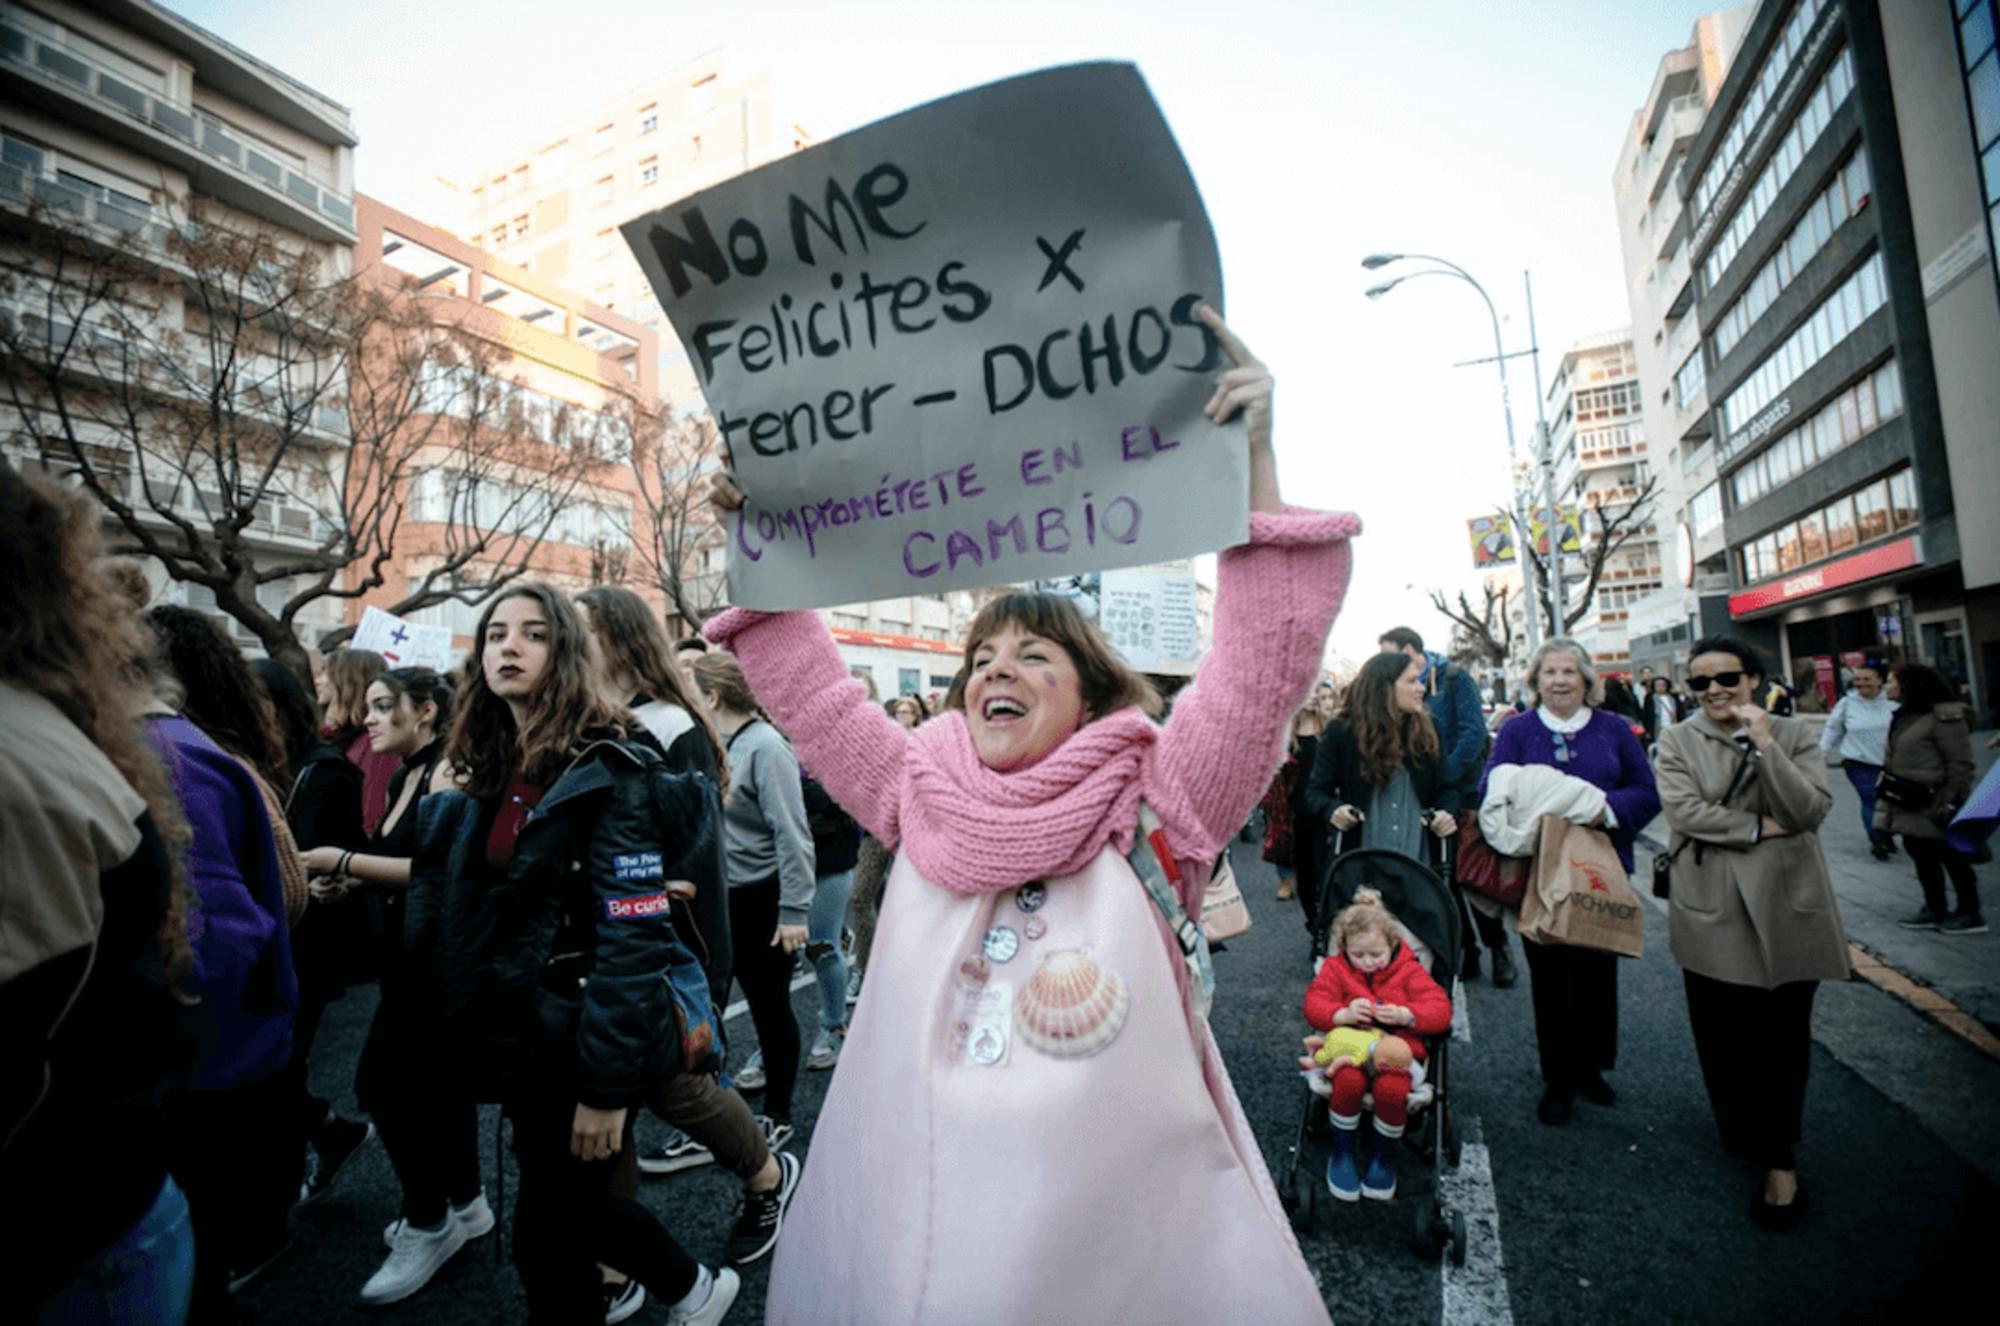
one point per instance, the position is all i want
(1578, 893)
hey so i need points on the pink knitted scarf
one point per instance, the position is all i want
(971, 830)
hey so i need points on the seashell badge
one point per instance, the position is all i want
(1070, 1007)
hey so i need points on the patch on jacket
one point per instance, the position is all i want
(639, 908)
(632, 866)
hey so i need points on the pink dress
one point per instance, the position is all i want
(1028, 1124)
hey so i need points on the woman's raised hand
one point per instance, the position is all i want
(1443, 823)
(723, 494)
(1246, 387)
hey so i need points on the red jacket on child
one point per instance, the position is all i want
(1403, 982)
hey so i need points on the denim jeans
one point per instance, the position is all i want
(146, 1276)
(1864, 778)
(823, 927)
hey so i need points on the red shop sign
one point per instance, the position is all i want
(1898, 556)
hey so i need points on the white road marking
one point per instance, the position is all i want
(1477, 1291)
(1461, 1020)
(742, 1006)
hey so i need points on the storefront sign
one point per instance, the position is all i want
(1898, 556)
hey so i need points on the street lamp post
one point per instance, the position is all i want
(1522, 548)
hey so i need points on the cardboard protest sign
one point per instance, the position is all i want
(403, 644)
(959, 347)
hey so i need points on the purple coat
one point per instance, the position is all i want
(243, 957)
(1604, 753)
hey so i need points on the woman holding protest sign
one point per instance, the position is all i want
(1576, 989)
(1752, 912)
(1036, 1031)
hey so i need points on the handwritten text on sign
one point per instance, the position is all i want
(959, 347)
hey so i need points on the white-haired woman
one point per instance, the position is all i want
(1576, 989)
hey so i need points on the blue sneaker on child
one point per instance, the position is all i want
(1342, 1179)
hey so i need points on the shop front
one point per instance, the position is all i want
(1837, 615)
(1883, 604)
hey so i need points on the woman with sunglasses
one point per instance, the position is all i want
(1576, 989)
(1752, 914)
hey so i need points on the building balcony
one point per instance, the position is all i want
(1677, 129)
(111, 216)
(218, 161)
(98, 352)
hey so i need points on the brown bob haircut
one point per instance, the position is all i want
(1108, 684)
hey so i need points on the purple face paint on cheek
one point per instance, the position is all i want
(1050, 680)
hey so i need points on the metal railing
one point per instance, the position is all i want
(21, 46)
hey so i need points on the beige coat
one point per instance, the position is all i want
(1933, 748)
(1747, 910)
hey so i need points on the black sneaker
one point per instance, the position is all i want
(621, 1301)
(763, 1215)
(679, 1152)
(330, 1153)
(1963, 924)
(1921, 919)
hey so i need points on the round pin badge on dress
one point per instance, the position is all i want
(974, 972)
(1034, 927)
(1002, 942)
(1030, 896)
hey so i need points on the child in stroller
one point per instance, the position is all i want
(1374, 1002)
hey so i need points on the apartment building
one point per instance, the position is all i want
(1653, 229)
(1598, 440)
(552, 205)
(119, 122)
(1842, 260)
(565, 366)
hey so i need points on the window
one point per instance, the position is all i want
(600, 246)
(701, 97)
(649, 118)
(649, 172)
(1838, 521)
(694, 147)
(603, 191)
(520, 226)
(1783, 51)
(1846, 194)
(1871, 511)
(1874, 399)
(1705, 510)
(499, 236)
(1902, 499)
(1688, 381)
(1981, 61)
(600, 140)
(1814, 113)
(518, 181)
(1836, 317)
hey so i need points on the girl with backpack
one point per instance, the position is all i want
(540, 912)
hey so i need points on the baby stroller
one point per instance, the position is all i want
(1417, 893)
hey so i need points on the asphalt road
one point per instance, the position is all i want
(1628, 1214)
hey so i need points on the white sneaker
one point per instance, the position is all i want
(722, 1287)
(825, 1051)
(752, 1076)
(476, 1216)
(418, 1254)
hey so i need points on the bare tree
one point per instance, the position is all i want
(272, 432)
(672, 457)
(1484, 633)
(1618, 523)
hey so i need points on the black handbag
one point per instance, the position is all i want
(1663, 864)
(1904, 793)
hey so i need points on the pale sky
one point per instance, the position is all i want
(1318, 131)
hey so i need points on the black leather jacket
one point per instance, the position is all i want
(552, 968)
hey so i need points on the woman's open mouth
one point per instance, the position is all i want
(1002, 710)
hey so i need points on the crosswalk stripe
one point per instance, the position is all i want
(1477, 1291)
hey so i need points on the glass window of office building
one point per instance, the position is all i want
(1980, 58)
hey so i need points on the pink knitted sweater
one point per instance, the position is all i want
(971, 830)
